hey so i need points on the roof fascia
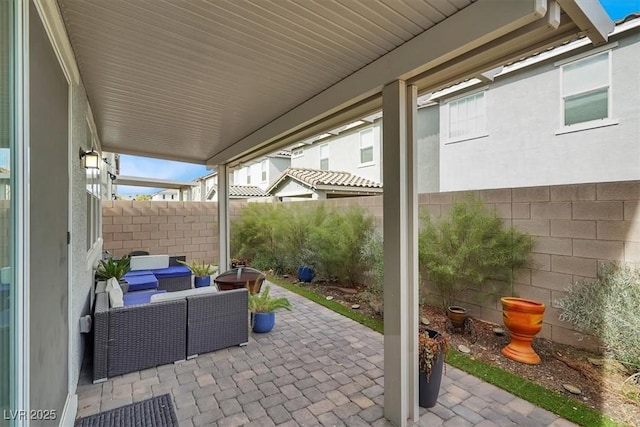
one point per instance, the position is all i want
(590, 17)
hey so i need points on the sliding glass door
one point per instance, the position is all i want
(8, 184)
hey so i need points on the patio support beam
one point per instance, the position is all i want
(477, 24)
(223, 217)
(399, 107)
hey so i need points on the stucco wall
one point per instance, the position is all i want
(344, 153)
(81, 276)
(48, 295)
(428, 130)
(576, 226)
(523, 111)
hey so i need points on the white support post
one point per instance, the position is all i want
(400, 254)
(223, 217)
(412, 308)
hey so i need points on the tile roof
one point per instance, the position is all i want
(316, 178)
(246, 191)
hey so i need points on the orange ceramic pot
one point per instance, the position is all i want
(457, 315)
(523, 318)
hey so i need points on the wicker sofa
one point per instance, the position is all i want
(137, 337)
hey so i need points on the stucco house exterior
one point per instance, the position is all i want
(566, 116)
(261, 172)
(527, 124)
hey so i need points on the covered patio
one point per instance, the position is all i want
(220, 83)
(315, 368)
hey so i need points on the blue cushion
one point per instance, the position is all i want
(141, 283)
(138, 273)
(141, 297)
(174, 271)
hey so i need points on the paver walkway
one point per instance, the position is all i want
(315, 368)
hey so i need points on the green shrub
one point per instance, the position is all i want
(284, 237)
(607, 308)
(471, 248)
(338, 244)
(372, 254)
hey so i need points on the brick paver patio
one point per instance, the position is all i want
(315, 368)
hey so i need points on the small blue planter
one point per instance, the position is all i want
(263, 322)
(201, 282)
(306, 274)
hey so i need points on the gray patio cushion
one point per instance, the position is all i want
(170, 296)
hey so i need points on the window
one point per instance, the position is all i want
(94, 213)
(585, 89)
(366, 146)
(467, 117)
(263, 171)
(324, 157)
(298, 152)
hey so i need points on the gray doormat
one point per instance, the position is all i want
(155, 412)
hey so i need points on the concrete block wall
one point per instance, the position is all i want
(159, 227)
(575, 226)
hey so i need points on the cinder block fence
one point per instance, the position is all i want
(576, 227)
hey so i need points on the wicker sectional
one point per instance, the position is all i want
(137, 337)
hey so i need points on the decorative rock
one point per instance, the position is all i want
(596, 362)
(347, 291)
(464, 349)
(285, 276)
(424, 321)
(498, 331)
(572, 389)
(329, 298)
(355, 306)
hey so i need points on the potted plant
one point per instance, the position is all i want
(202, 272)
(255, 286)
(263, 308)
(432, 347)
(116, 268)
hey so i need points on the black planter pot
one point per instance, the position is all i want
(428, 390)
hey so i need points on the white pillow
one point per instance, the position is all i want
(170, 296)
(149, 262)
(115, 293)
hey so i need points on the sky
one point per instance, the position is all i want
(177, 171)
(156, 168)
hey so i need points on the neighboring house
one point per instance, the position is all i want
(262, 171)
(568, 115)
(168, 195)
(207, 190)
(204, 188)
(304, 184)
(354, 148)
(5, 187)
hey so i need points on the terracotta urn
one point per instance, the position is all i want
(523, 318)
(457, 315)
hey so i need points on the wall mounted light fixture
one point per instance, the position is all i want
(89, 159)
(112, 176)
